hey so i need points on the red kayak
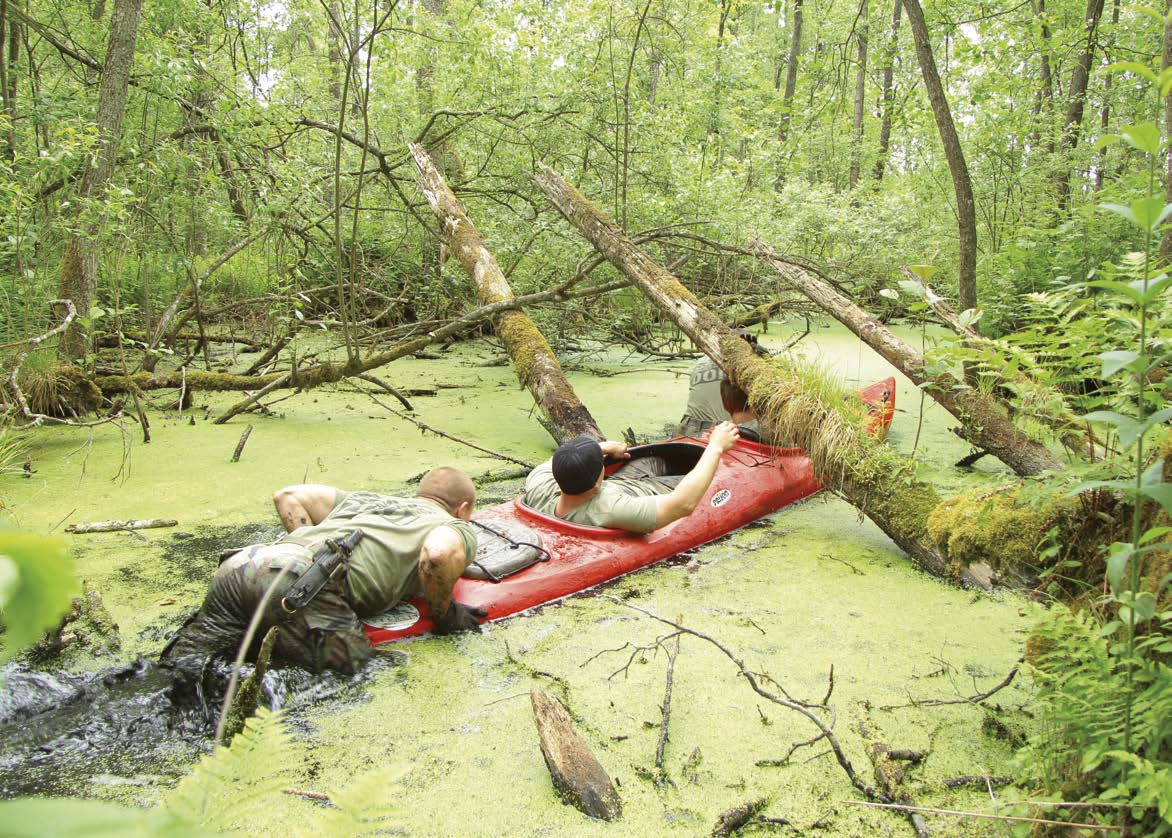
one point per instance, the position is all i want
(527, 558)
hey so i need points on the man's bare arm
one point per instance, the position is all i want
(687, 494)
(305, 504)
(441, 561)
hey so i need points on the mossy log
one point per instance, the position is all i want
(577, 775)
(871, 476)
(983, 422)
(536, 364)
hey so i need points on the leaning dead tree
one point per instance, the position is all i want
(874, 478)
(982, 421)
(536, 364)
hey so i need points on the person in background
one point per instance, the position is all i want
(705, 407)
(639, 497)
(736, 404)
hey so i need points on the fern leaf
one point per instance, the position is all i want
(233, 784)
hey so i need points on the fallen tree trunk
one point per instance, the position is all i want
(535, 362)
(873, 477)
(983, 423)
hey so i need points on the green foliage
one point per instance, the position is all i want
(35, 817)
(234, 784)
(362, 808)
(37, 586)
(1088, 689)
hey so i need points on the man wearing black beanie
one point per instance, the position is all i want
(570, 485)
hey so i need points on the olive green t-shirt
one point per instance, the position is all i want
(622, 503)
(704, 403)
(383, 569)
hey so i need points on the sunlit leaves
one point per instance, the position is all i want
(36, 586)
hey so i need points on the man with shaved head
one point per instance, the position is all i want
(407, 546)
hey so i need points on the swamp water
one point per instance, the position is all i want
(806, 589)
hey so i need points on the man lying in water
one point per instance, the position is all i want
(406, 546)
(639, 497)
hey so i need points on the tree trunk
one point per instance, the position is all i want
(1076, 100)
(791, 73)
(79, 268)
(966, 208)
(871, 476)
(888, 97)
(536, 364)
(1105, 110)
(860, 97)
(1044, 98)
(983, 423)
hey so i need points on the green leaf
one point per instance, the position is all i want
(1144, 136)
(43, 590)
(1117, 565)
(1120, 209)
(1149, 212)
(1116, 360)
(1154, 533)
(1107, 140)
(913, 289)
(1119, 485)
(1134, 67)
(66, 817)
(1144, 606)
(924, 272)
(1121, 289)
(1152, 485)
(1155, 286)
(1127, 428)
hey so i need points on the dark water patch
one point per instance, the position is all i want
(66, 733)
(196, 554)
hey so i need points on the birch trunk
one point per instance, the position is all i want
(871, 476)
(536, 364)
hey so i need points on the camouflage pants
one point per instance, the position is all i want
(326, 634)
(650, 468)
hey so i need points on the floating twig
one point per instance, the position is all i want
(983, 815)
(115, 526)
(972, 699)
(665, 709)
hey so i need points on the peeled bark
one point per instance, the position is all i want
(536, 364)
(983, 423)
(871, 476)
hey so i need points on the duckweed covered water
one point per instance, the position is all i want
(811, 589)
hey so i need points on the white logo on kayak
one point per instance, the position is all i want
(404, 615)
(721, 497)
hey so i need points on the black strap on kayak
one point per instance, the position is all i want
(327, 563)
(543, 555)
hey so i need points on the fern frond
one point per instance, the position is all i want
(366, 806)
(232, 785)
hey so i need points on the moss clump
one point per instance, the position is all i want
(999, 528)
